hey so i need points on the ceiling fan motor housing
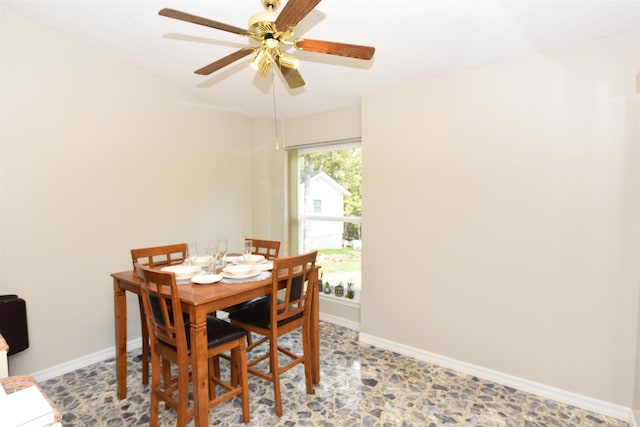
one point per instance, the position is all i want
(262, 24)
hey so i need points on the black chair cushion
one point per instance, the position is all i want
(244, 305)
(259, 314)
(296, 291)
(218, 332)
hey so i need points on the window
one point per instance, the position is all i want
(327, 208)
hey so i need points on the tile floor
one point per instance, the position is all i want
(360, 386)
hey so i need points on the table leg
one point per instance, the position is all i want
(200, 370)
(315, 331)
(120, 316)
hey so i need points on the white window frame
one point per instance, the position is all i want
(313, 148)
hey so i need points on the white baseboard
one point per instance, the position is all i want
(588, 403)
(635, 419)
(83, 362)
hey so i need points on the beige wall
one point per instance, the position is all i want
(97, 158)
(633, 153)
(268, 175)
(330, 126)
(636, 395)
(505, 193)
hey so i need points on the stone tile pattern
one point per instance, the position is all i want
(360, 386)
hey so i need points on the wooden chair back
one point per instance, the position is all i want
(160, 255)
(269, 248)
(154, 256)
(292, 282)
(160, 301)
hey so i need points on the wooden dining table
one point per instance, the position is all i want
(198, 301)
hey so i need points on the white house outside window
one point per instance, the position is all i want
(329, 210)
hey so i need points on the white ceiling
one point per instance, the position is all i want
(413, 39)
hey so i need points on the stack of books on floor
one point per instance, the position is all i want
(25, 408)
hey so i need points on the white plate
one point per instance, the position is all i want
(182, 271)
(255, 258)
(246, 275)
(264, 266)
(205, 279)
(238, 268)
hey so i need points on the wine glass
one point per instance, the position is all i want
(246, 253)
(212, 258)
(192, 253)
(222, 250)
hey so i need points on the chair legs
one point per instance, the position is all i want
(165, 387)
(183, 395)
(238, 379)
(144, 332)
(155, 390)
(275, 371)
(239, 357)
(306, 345)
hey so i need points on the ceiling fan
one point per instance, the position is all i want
(273, 31)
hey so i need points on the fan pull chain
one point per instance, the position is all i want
(275, 114)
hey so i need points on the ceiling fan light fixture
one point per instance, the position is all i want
(271, 43)
(265, 67)
(261, 62)
(258, 59)
(287, 60)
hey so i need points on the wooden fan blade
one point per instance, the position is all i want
(223, 62)
(293, 12)
(183, 16)
(292, 76)
(333, 48)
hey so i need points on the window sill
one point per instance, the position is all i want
(355, 302)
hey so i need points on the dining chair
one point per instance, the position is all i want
(269, 248)
(169, 336)
(287, 309)
(154, 256)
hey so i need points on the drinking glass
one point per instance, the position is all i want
(246, 253)
(192, 253)
(212, 258)
(222, 250)
(213, 264)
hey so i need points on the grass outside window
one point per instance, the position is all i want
(341, 265)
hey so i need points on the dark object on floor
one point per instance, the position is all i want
(13, 323)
